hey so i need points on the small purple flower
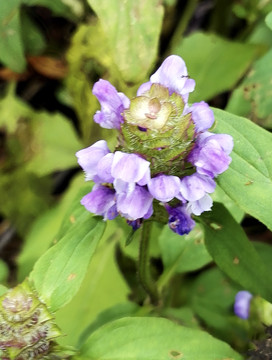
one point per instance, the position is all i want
(202, 116)
(197, 207)
(112, 104)
(173, 75)
(180, 220)
(164, 187)
(130, 168)
(89, 158)
(242, 304)
(136, 204)
(101, 201)
(195, 186)
(210, 155)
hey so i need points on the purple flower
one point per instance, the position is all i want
(135, 204)
(197, 207)
(112, 104)
(101, 201)
(242, 304)
(202, 115)
(130, 168)
(180, 220)
(195, 186)
(210, 155)
(173, 75)
(90, 157)
(164, 187)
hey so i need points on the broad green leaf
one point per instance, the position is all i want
(153, 338)
(252, 98)
(113, 313)
(212, 299)
(183, 253)
(132, 29)
(55, 143)
(248, 180)
(33, 39)
(220, 196)
(45, 228)
(11, 45)
(102, 288)
(268, 20)
(59, 273)
(234, 253)
(221, 64)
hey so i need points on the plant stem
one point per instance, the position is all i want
(144, 264)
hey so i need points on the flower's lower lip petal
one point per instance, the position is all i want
(164, 187)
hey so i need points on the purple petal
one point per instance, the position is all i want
(173, 75)
(195, 186)
(130, 168)
(199, 206)
(144, 88)
(164, 187)
(180, 220)
(101, 201)
(135, 205)
(242, 304)
(210, 155)
(89, 158)
(104, 168)
(202, 116)
(112, 105)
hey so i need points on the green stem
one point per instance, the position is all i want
(183, 24)
(144, 265)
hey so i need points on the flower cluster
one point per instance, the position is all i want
(165, 158)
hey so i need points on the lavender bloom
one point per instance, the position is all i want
(202, 116)
(242, 304)
(164, 187)
(101, 201)
(197, 207)
(195, 186)
(89, 158)
(180, 220)
(173, 75)
(210, 156)
(112, 105)
(159, 145)
(130, 168)
(136, 204)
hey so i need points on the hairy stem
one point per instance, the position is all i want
(144, 264)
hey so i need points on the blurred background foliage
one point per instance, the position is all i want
(51, 53)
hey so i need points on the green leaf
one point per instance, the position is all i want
(221, 64)
(45, 228)
(11, 45)
(234, 253)
(153, 338)
(183, 253)
(252, 98)
(268, 20)
(102, 288)
(212, 299)
(132, 29)
(248, 180)
(58, 274)
(33, 39)
(52, 150)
